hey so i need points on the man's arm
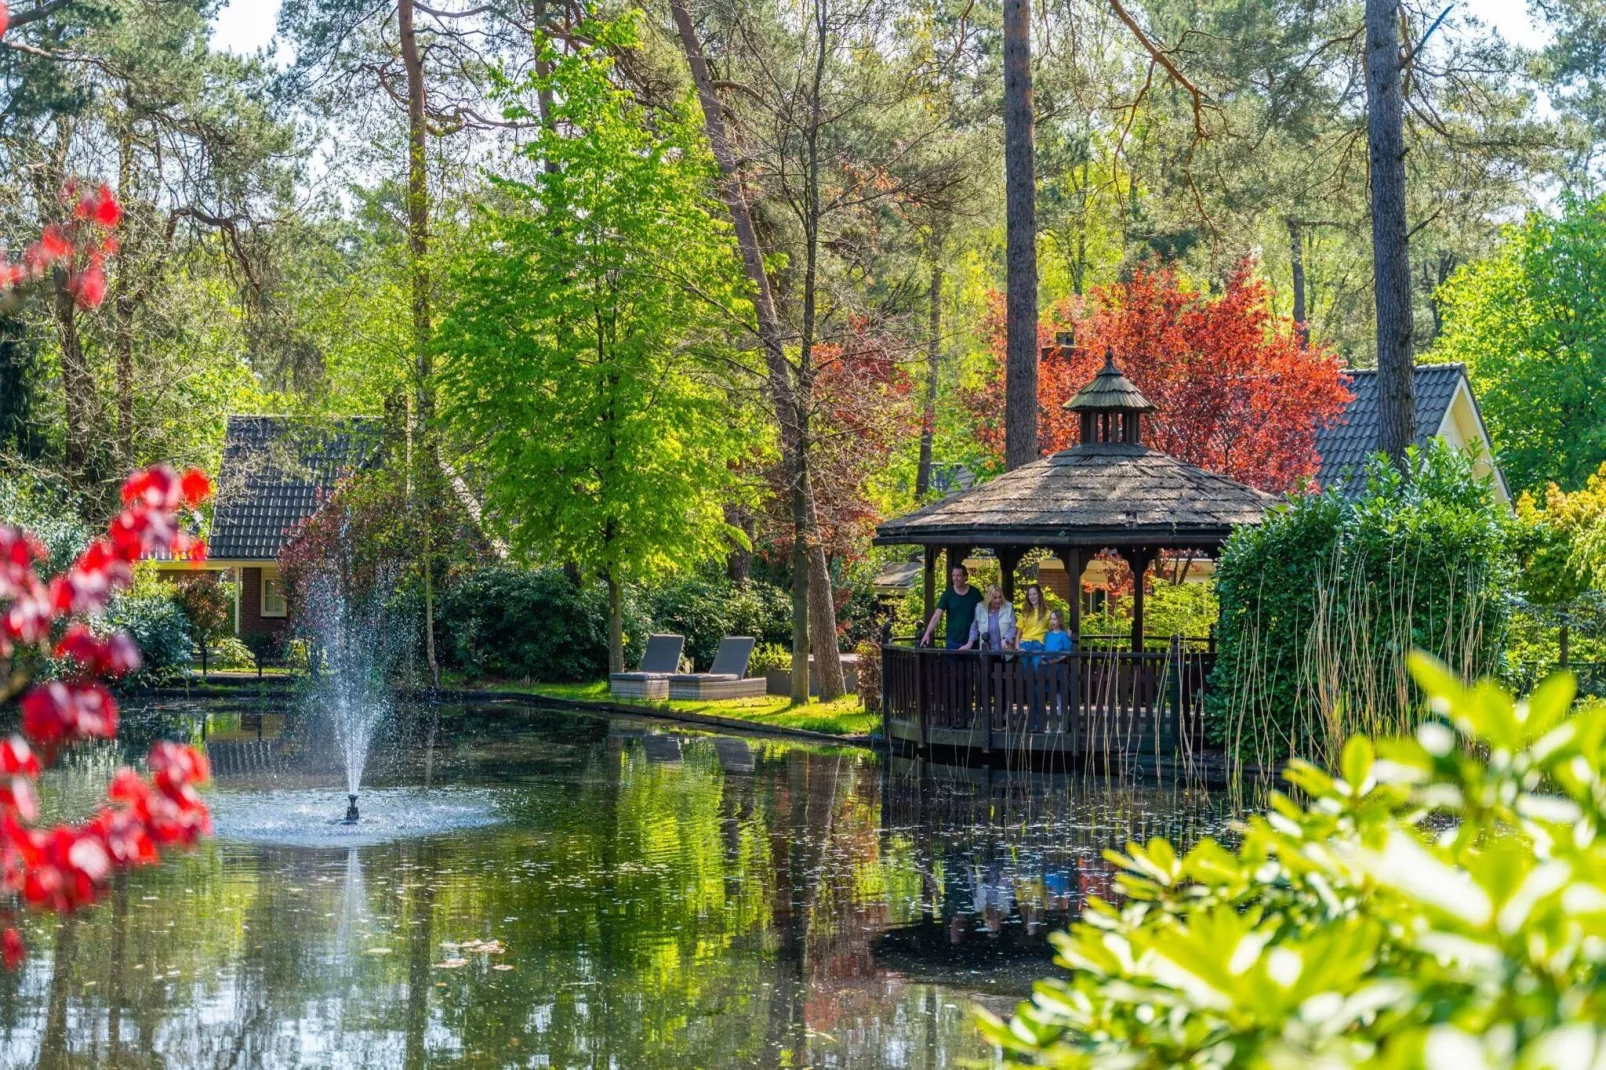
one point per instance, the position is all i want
(931, 626)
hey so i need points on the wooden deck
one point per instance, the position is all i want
(1089, 706)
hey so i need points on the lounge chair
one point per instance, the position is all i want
(658, 662)
(724, 678)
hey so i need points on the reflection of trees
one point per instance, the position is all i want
(718, 910)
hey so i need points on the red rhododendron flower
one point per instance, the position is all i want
(196, 487)
(114, 655)
(17, 794)
(16, 757)
(51, 247)
(27, 620)
(89, 284)
(5, 20)
(177, 764)
(66, 867)
(124, 834)
(59, 712)
(12, 948)
(101, 208)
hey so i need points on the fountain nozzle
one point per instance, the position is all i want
(351, 810)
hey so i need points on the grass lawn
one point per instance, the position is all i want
(843, 717)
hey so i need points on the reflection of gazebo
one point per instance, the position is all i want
(1109, 492)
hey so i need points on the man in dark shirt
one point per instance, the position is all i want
(959, 602)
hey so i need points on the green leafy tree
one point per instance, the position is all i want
(1530, 326)
(583, 356)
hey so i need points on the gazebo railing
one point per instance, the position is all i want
(1088, 703)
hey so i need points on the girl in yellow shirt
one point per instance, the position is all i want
(1032, 621)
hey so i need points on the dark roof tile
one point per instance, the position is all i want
(276, 471)
(1345, 445)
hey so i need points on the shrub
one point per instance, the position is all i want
(206, 604)
(230, 653)
(869, 676)
(160, 630)
(1353, 931)
(706, 608)
(768, 657)
(1321, 603)
(518, 624)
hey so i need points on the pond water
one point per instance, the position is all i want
(558, 890)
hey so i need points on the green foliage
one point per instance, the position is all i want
(868, 682)
(152, 615)
(769, 657)
(1437, 901)
(45, 507)
(1321, 603)
(230, 653)
(516, 624)
(583, 355)
(1529, 324)
(706, 608)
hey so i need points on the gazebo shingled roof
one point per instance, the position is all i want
(1109, 390)
(1100, 494)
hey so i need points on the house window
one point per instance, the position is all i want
(273, 597)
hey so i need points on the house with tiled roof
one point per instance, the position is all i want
(1446, 409)
(276, 472)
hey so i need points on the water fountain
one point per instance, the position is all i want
(352, 648)
(345, 611)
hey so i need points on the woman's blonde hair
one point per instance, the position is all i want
(994, 590)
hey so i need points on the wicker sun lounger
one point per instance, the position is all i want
(658, 663)
(724, 679)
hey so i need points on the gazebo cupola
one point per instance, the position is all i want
(1112, 407)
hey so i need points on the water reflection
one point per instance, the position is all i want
(643, 899)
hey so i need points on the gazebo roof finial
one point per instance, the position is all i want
(1110, 391)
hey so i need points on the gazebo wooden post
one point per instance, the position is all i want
(1008, 558)
(1073, 572)
(930, 588)
(1138, 559)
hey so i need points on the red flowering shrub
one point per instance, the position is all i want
(66, 867)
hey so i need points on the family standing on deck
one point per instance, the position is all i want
(978, 621)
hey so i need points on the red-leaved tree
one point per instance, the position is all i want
(1236, 394)
(865, 413)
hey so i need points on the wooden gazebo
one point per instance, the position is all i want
(1108, 492)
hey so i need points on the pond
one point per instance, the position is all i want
(559, 890)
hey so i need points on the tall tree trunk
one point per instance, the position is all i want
(426, 455)
(822, 608)
(782, 395)
(616, 624)
(928, 415)
(123, 326)
(739, 562)
(1296, 258)
(1020, 364)
(77, 386)
(1391, 267)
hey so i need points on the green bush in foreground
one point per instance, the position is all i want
(1442, 903)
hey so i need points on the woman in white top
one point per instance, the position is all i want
(994, 628)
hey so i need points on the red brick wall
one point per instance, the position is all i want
(252, 622)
